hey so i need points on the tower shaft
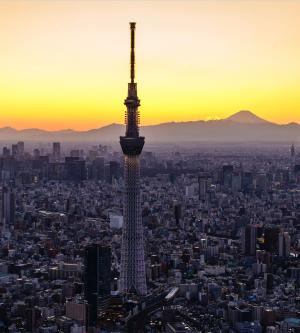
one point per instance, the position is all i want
(133, 276)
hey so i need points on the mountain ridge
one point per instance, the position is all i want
(241, 126)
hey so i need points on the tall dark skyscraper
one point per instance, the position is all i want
(7, 206)
(20, 148)
(97, 278)
(271, 239)
(249, 235)
(227, 173)
(284, 244)
(56, 151)
(203, 186)
(133, 276)
(114, 170)
(14, 150)
(177, 212)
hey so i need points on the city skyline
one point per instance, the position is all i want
(64, 64)
(179, 217)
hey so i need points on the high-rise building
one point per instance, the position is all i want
(227, 173)
(75, 169)
(284, 244)
(14, 150)
(261, 182)
(271, 239)
(114, 170)
(7, 206)
(56, 151)
(20, 148)
(98, 169)
(33, 318)
(236, 181)
(177, 212)
(97, 278)
(5, 152)
(133, 275)
(296, 173)
(36, 153)
(293, 151)
(249, 234)
(203, 186)
(247, 181)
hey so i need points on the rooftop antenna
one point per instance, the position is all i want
(132, 55)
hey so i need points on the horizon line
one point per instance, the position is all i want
(150, 125)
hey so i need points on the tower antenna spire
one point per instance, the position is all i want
(132, 52)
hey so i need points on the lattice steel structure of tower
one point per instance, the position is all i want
(133, 275)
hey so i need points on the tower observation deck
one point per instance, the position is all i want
(133, 276)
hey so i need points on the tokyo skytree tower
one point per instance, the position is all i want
(133, 276)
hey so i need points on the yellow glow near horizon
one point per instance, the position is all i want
(65, 64)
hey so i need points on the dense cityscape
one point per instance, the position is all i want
(221, 229)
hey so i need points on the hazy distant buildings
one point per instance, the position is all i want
(5, 152)
(56, 151)
(75, 169)
(76, 153)
(97, 169)
(56, 171)
(114, 171)
(14, 150)
(36, 153)
(20, 148)
(293, 151)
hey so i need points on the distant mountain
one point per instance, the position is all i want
(246, 117)
(241, 126)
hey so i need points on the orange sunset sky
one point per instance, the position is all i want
(65, 64)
